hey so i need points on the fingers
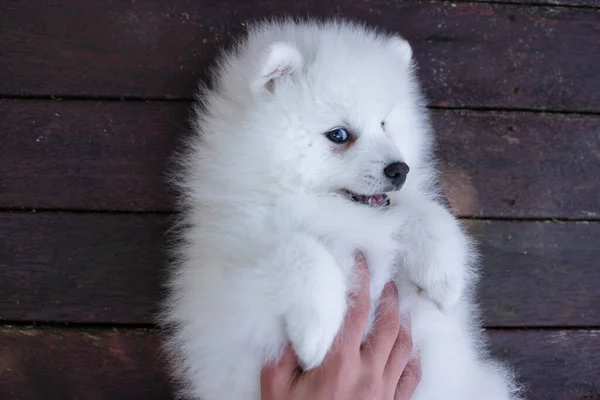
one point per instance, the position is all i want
(275, 379)
(409, 380)
(384, 338)
(401, 352)
(358, 313)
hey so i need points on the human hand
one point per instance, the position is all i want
(379, 369)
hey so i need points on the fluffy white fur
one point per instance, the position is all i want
(266, 239)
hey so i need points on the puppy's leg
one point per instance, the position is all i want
(438, 253)
(313, 298)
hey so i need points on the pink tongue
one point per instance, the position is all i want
(377, 199)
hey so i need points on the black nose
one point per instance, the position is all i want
(397, 173)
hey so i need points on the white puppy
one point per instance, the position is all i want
(314, 142)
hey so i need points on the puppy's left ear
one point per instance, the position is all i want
(401, 48)
(280, 60)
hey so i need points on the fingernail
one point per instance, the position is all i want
(391, 288)
(417, 352)
(359, 257)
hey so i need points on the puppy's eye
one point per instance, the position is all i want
(338, 135)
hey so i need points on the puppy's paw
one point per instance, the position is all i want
(311, 295)
(440, 266)
(312, 336)
(318, 311)
(444, 290)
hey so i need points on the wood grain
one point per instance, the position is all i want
(539, 273)
(82, 365)
(520, 164)
(81, 267)
(78, 155)
(126, 364)
(557, 365)
(86, 155)
(470, 54)
(568, 3)
(108, 268)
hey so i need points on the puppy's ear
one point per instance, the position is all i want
(401, 48)
(280, 59)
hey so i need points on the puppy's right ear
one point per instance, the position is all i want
(280, 60)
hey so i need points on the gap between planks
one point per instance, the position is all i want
(189, 101)
(117, 327)
(528, 3)
(17, 210)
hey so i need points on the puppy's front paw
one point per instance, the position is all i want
(315, 318)
(444, 290)
(440, 265)
(312, 296)
(312, 335)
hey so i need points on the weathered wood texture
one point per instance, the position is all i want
(520, 165)
(107, 268)
(470, 54)
(539, 273)
(573, 3)
(82, 365)
(553, 365)
(87, 155)
(81, 267)
(102, 364)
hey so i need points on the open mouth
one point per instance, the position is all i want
(376, 200)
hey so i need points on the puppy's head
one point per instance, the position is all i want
(331, 108)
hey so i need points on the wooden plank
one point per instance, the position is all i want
(81, 267)
(539, 273)
(557, 365)
(86, 155)
(102, 364)
(88, 364)
(81, 155)
(108, 268)
(470, 54)
(571, 3)
(520, 165)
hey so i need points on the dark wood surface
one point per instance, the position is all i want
(89, 155)
(539, 273)
(470, 54)
(88, 364)
(81, 267)
(554, 365)
(107, 268)
(524, 165)
(96, 95)
(60, 364)
(553, 3)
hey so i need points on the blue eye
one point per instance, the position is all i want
(338, 135)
